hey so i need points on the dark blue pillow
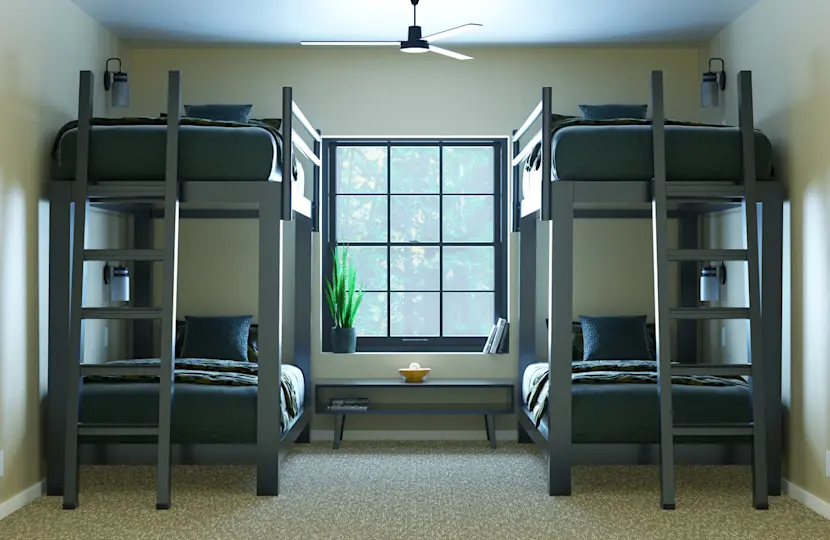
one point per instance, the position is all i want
(615, 338)
(220, 113)
(223, 338)
(613, 111)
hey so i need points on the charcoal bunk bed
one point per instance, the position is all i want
(687, 411)
(157, 407)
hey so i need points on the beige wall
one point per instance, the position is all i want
(787, 47)
(359, 92)
(43, 46)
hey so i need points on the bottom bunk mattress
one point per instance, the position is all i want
(214, 401)
(616, 402)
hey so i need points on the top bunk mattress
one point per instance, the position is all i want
(134, 150)
(610, 150)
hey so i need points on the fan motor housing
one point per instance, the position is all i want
(414, 43)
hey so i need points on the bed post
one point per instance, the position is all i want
(517, 190)
(771, 226)
(287, 130)
(143, 238)
(60, 244)
(687, 330)
(557, 209)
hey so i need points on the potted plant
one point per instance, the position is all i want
(344, 297)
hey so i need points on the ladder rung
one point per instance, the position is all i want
(123, 190)
(121, 313)
(105, 370)
(714, 430)
(124, 255)
(715, 370)
(117, 430)
(704, 191)
(709, 313)
(707, 254)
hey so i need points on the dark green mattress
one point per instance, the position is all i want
(201, 413)
(206, 153)
(624, 152)
(628, 413)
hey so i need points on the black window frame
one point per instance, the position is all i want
(501, 231)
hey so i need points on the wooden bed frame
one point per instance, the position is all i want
(280, 211)
(563, 201)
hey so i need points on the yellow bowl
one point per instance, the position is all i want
(414, 375)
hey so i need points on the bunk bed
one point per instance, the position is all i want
(609, 412)
(246, 406)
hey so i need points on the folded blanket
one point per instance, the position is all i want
(613, 372)
(185, 121)
(209, 372)
(534, 160)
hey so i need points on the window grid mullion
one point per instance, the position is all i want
(388, 239)
(441, 239)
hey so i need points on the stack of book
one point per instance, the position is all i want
(497, 340)
(349, 404)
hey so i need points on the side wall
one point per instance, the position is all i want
(43, 46)
(787, 47)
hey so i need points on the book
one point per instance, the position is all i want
(500, 328)
(504, 338)
(489, 339)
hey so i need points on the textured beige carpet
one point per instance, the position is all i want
(417, 490)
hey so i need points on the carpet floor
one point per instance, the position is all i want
(414, 490)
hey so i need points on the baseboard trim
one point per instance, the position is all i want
(817, 505)
(504, 435)
(23, 498)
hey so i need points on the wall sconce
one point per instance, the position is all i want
(116, 83)
(711, 278)
(714, 82)
(118, 278)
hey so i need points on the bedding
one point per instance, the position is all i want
(215, 401)
(616, 401)
(133, 149)
(621, 149)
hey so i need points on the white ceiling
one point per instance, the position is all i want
(506, 22)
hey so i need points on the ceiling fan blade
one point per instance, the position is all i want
(353, 43)
(452, 32)
(451, 54)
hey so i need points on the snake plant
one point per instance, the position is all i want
(342, 292)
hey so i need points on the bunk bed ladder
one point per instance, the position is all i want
(82, 192)
(704, 192)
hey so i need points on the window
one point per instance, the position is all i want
(425, 222)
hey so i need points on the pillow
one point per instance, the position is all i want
(223, 338)
(615, 338)
(253, 343)
(227, 113)
(613, 111)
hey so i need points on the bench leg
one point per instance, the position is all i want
(339, 421)
(490, 424)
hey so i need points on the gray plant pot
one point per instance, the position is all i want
(343, 340)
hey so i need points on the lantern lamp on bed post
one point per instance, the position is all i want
(714, 82)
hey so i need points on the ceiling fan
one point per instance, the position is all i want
(414, 43)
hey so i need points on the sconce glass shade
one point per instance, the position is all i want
(710, 90)
(120, 284)
(709, 284)
(120, 90)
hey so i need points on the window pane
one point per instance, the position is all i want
(415, 268)
(371, 315)
(370, 265)
(468, 218)
(469, 268)
(468, 314)
(469, 169)
(361, 218)
(415, 218)
(361, 169)
(415, 169)
(416, 314)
